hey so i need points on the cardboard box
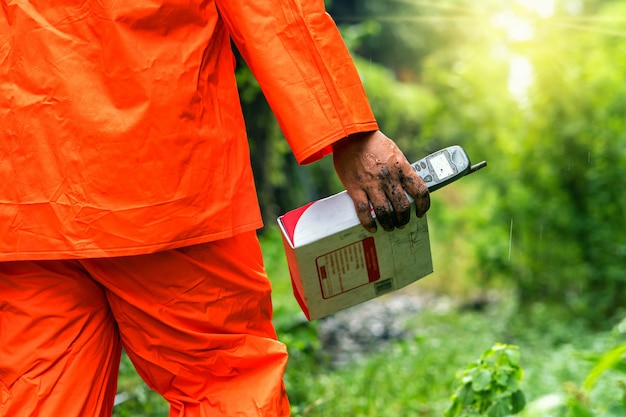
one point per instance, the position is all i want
(335, 263)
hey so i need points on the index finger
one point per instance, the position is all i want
(363, 209)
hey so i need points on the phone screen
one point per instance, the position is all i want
(441, 167)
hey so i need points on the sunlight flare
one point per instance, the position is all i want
(521, 77)
(543, 8)
(516, 28)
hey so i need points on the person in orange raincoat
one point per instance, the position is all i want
(128, 212)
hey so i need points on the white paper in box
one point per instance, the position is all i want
(335, 263)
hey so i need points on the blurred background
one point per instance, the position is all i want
(530, 251)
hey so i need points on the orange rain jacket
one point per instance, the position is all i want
(120, 125)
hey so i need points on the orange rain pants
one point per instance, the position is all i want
(195, 321)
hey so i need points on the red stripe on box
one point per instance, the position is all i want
(371, 259)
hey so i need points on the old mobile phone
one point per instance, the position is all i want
(445, 166)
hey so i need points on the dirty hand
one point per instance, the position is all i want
(373, 169)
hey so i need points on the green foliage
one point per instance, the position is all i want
(490, 386)
(550, 218)
(410, 377)
(135, 398)
(574, 143)
(597, 389)
(612, 359)
(399, 107)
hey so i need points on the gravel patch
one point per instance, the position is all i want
(368, 327)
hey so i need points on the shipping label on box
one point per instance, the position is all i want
(335, 263)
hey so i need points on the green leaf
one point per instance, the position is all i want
(466, 395)
(502, 379)
(489, 386)
(518, 402)
(499, 409)
(454, 409)
(512, 353)
(607, 361)
(578, 410)
(463, 397)
(482, 380)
